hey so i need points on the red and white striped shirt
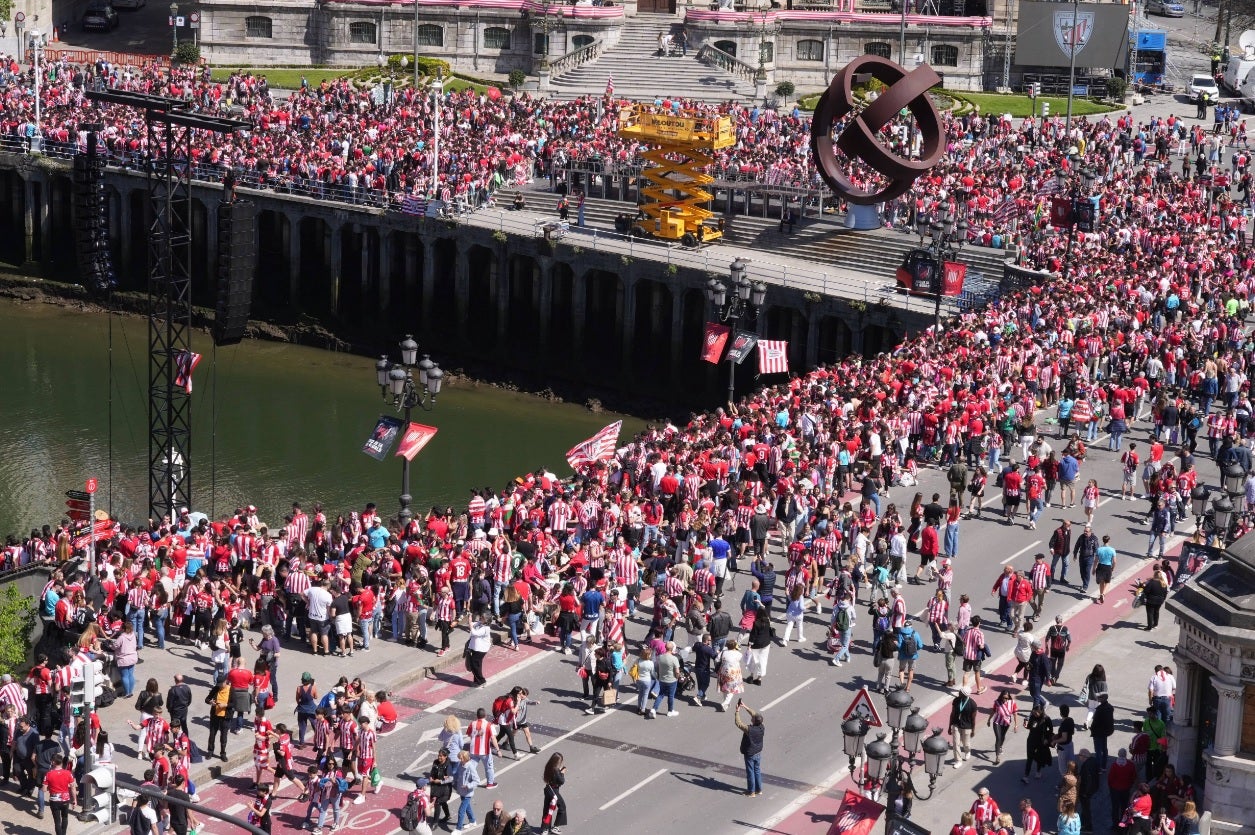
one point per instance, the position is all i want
(297, 529)
(346, 732)
(297, 583)
(501, 568)
(1040, 575)
(626, 569)
(559, 516)
(14, 694)
(366, 737)
(938, 610)
(242, 546)
(899, 612)
(973, 643)
(137, 597)
(479, 733)
(446, 608)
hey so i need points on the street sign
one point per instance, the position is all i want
(81, 495)
(862, 706)
(194, 20)
(91, 485)
(19, 17)
(180, 21)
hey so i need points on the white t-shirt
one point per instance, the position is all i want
(319, 600)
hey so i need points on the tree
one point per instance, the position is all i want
(517, 78)
(17, 622)
(187, 53)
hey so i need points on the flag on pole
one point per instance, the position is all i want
(415, 438)
(610, 86)
(600, 447)
(773, 356)
(857, 815)
(1006, 211)
(714, 341)
(185, 363)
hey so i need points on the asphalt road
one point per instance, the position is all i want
(684, 773)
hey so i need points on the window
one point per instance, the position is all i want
(540, 43)
(767, 51)
(581, 41)
(810, 50)
(430, 35)
(946, 55)
(496, 37)
(726, 46)
(257, 27)
(878, 48)
(362, 31)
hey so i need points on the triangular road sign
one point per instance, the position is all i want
(862, 706)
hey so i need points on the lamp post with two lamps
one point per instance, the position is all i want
(174, 29)
(731, 308)
(37, 40)
(947, 234)
(390, 86)
(765, 29)
(397, 380)
(1080, 209)
(885, 766)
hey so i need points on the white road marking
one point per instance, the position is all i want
(439, 707)
(638, 786)
(1119, 603)
(498, 772)
(780, 699)
(1022, 551)
(234, 809)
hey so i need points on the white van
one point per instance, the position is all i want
(1235, 74)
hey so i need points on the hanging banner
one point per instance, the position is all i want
(381, 440)
(953, 274)
(773, 356)
(1060, 211)
(857, 815)
(716, 338)
(415, 438)
(742, 344)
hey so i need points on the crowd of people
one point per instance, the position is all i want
(1146, 335)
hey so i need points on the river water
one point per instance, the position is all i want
(271, 424)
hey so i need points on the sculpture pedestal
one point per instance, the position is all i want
(862, 217)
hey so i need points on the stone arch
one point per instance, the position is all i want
(271, 290)
(603, 322)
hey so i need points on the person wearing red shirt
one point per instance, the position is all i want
(1029, 819)
(364, 604)
(1121, 777)
(62, 793)
(1012, 484)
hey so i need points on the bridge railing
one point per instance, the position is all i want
(708, 54)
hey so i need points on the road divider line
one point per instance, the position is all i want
(642, 784)
(1022, 551)
(441, 706)
(558, 740)
(234, 809)
(781, 698)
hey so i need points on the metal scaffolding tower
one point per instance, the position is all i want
(170, 132)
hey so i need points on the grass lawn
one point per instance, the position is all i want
(457, 85)
(1020, 106)
(286, 78)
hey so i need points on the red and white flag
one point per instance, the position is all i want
(185, 363)
(713, 342)
(414, 439)
(600, 447)
(610, 86)
(773, 356)
(857, 815)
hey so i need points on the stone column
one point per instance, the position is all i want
(384, 265)
(429, 280)
(813, 320)
(627, 324)
(857, 332)
(334, 253)
(29, 219)
(293, 223)
(1185, 723)
(579, 314)
(123, 223)
(501, 278)
(677, 336)
(542, 277)
(211, 247)
(1228, 716)
(462, 290)
(45, 221)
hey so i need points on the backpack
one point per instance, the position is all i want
(409, 813)
(843, 618)
(910, 645)
(882, 623)
(500, 707)
(1058, 643)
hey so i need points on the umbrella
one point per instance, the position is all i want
(494, 93)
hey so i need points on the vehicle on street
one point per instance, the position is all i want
(100, 16)
(1166, 8)
(1204, 85)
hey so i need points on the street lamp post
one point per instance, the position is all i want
(37, 41)
(948, 236)
(731, 308)
(1078, 188)
(890, 759)
(765, 30)
(174, 27)
(397, 380)
(437, 88)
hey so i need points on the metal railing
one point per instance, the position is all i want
(577, 57)
(708, 54)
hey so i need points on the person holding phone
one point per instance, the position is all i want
(752, 738)
(554, 817)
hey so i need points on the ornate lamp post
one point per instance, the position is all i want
(766, 26)
(397, 380)
(742, 304)
(174, 28)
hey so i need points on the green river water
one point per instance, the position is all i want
(290, 423)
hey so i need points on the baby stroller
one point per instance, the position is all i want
(685, 680)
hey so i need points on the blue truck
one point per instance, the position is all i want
(1149, 49)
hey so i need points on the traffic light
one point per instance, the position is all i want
(87, 686)
(98, 790)
(1045, 109)
(78, 693)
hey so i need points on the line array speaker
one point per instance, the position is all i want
(91, 219)
(237, 264)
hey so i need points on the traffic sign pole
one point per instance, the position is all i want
(91, 522)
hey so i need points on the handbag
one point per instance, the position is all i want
(583, 672)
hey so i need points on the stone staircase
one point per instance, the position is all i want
(640, 74)
(825, 241)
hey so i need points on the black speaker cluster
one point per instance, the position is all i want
(91, 218)
(237, 261)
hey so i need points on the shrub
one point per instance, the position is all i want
(517, 78)
(187, 53)
(1116, 88)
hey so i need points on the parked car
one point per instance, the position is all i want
(100, 16)
(1204, 85)
(1166, 8)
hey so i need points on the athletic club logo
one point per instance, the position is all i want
(1073, 30)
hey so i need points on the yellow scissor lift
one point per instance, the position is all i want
(684, 139)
